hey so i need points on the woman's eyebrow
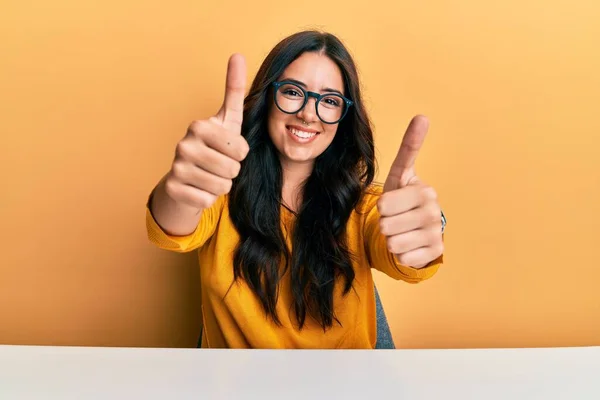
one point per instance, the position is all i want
(300, 83)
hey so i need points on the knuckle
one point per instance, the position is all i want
(207, 202)
(239, 147)
(172, 188)
(403, 259)
(392, 245)
(383, 227)
(202, 202)
(440, 249)
(226, 186)
(204, 199)
(235, 169)
(178, 169)
(429, 194)
(183, 149)
(198, 127)
(244, 149)
(434, 214)
(382, 204)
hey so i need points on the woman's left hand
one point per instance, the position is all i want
(411, 218)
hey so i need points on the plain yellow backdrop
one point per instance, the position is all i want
(93, 99)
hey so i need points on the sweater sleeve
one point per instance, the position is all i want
(380, 257)
(182, 244)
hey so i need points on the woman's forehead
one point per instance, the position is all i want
(317, 71)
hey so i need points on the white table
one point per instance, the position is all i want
(38, 372)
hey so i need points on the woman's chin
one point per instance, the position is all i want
(299, 156)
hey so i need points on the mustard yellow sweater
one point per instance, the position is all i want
(238, 320)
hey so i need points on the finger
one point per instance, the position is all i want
(419, 258)
(208, 159)
(211, 133)
(232, 145)
(219, 164)
(408, 241)
(197, 177)
(191, 196)
(411, 144)
(231, 112)
(414, 219)
(404, 199)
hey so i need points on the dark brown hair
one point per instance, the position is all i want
(320, 258)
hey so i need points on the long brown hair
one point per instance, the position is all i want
(320, 255)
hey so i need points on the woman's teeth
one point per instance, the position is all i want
(302, 134)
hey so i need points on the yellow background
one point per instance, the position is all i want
(93, 99)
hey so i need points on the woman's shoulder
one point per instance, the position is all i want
(374, 189)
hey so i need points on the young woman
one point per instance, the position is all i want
(276, 193)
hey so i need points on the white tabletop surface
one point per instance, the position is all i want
(39, 372)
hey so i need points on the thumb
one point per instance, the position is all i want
(402, 171)
(232, 110)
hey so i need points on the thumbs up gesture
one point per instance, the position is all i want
(208, 158)
(411, 218)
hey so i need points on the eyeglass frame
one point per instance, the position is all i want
(307, 95)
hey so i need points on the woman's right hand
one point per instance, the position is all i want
(208, 158)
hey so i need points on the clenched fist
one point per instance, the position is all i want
(208, 158)
(411, 218)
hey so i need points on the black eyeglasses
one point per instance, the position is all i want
(290, 98)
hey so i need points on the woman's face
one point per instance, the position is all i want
(299, 142)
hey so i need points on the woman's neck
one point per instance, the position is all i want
(294, 176)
